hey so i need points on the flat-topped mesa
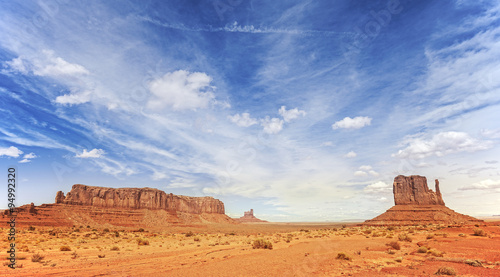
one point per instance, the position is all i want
(139, 198)
(413, 190)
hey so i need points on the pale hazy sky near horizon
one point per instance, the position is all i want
(301, 110)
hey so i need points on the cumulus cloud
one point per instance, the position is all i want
(243, 120)
(442, 144)
(352, 123)
(74, 98)
(272, 125)
(47, 64)
(351, 154)
(181, 90)
(291, 114)
(364, 170)
(28, 157)
(94, 153)
(10, 152)
(378, 187)
(483, 185)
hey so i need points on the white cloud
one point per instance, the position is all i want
(365, 167)
(272, 125)
(364, 170)
(74, 98)
(28, 157)
(483, 185)
(378, 187)
(181, 90)
(10, 152)
(352, 123)
(360, 173)
(94, 153)
(48, 65)
(181, 183)
(351, 154)
(243, 120)
(441, 144)
(290, 114)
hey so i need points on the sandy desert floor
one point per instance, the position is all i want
(228, 250)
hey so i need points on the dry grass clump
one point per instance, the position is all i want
(189, 234)
(422, 249)
(343, 256)
(65, 248)
(474, 263)
(141, 241)
(404, 237)
(115, 248)
(262, 243)
(394, 245)
(435, 253)
(36, 258)
(479, 232)
(446, 271)
(430, 236)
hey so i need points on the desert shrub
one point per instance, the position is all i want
(232, 234)
(367, 232)
(117, 234)
(394, 245)
(101, 256)
(196, 239)
(115, 248)
(304, 230)
(435, 253)
(399, 259)
(106, 230)
(77, 230)
(430, 236)
(391, 252)
(343, 256)
(462, 235)
(31, 228)
(422, 249)
(262, 243)
(37, 258)
(474, 263)
(189, 234)
(140, 230)
(74, 255)
(446, 271)
(391, 228)
(479, 232)
(404, 237)
(65, 248)
(141, 241)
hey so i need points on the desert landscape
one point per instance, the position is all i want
(94, 231)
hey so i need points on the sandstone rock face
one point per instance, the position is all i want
(416, 204)
(139, 198)
(413, 190)
(59, 197)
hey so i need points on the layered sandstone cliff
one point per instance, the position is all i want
(139, 198)
(413, 190)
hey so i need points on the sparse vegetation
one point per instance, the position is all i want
(435, 253)
(31, 228)
(343, 256)
(446, 271)
(262, 243)
(479, 232)
(404, 237)
(141, 241)
(36, 258)
(189, 234)
(422, 249)
(65, 248)
(101, 256)
(394, 244)
(115, 248)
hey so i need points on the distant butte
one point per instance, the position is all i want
(416, 204)
(249, 217)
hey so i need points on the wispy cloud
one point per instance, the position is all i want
(94, 153)
(352, 123)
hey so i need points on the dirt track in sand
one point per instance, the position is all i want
(226, 250)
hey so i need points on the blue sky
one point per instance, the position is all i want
(301, 110)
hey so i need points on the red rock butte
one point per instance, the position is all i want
(249, 217)
(416, 204)
(127, 207)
